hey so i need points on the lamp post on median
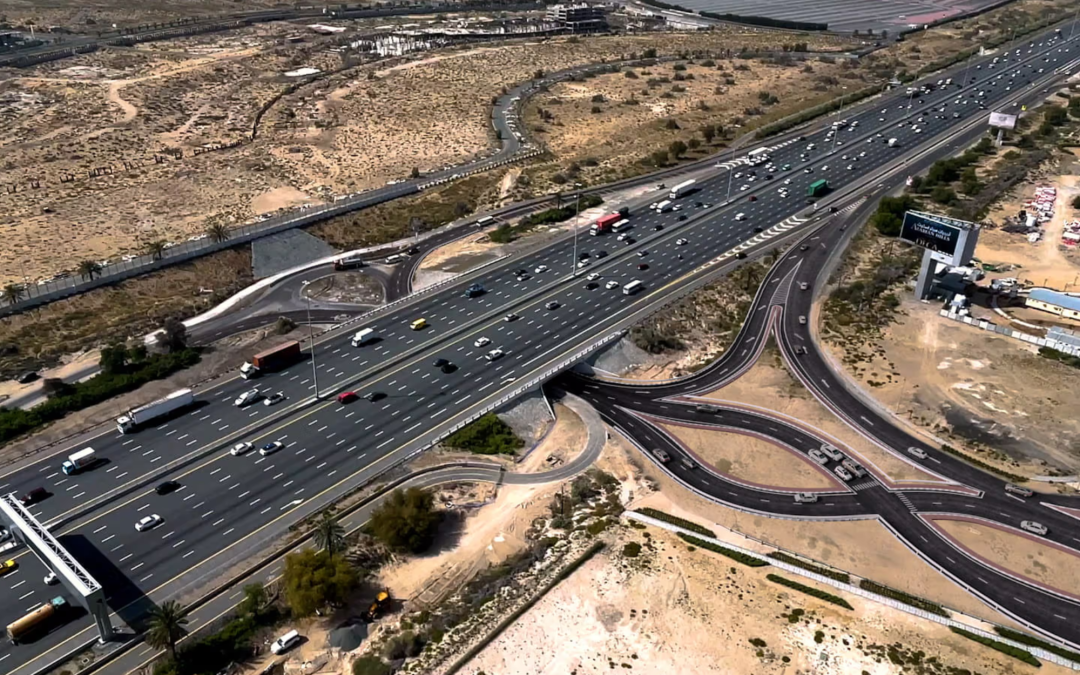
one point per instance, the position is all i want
(967, 71)
(311, 338)
(577, 212)
(730, 173)
(839, 110)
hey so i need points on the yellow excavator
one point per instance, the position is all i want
(381, 602)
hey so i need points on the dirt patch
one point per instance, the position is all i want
(1045, 564)
(672, 610)
(279, 198)
(769, 386)
(989, 394)
(565, 440)
(466, 252)
(351, 287)
(751, 459)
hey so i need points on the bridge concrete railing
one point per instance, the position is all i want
(855, 590)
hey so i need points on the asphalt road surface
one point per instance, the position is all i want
(225, 502)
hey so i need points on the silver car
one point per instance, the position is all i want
(247, 398)
(843, 473)
(917, 452)
(819, 457)
(831, 452)
(805, 498)
(1034, 527)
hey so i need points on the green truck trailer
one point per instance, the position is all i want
(817, 188)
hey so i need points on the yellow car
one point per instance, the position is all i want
(8, 566)
(419, 324)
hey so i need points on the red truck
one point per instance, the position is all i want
(271, 359)
(603, 224)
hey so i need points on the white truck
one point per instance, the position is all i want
(363, 336)
(78, 461)
(893, 142)
(681, 189)
(664, 206)
(138, 417)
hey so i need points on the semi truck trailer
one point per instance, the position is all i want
(603, 224)
(143, 415)
(39, 619)
(271, 359)
(683, 188)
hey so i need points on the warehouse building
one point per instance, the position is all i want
(578, 17)
(1066, 306)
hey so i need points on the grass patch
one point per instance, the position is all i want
(748, 560)
(488, 435)
(809, 590)
(1033, 641)
(1055, 355)
(675, 520)
(15, 422)
(1008, 650)
(791, 560)
(900, 596)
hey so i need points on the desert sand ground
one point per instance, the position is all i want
(977, 390)
(1047, 565)
(673, 610)
(89, 17)
(751, 459)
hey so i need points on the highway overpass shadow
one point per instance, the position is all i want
(121, 594)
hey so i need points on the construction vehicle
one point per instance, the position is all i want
(378, 606)
(38, 619)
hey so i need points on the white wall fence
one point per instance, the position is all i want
(855, 590)
(1074, 350)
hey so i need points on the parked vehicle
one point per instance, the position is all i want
(285, 642)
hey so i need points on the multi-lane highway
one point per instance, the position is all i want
(226, 506)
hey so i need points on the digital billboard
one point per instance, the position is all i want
(930, 233)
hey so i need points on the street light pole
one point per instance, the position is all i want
(730, 174)
(577, 212)
(1072, 31)
(836, 141)
(968, 70)
(311, 339)
(910, 96)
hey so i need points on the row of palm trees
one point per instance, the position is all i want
(167, 625)
(88, 269)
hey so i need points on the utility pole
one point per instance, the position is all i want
(577, 212)
(311, 339)
(730, 173)
(836, 141)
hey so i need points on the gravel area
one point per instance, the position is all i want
(280, 252)
(529, 416)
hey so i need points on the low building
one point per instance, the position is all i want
(1067, 306)
(581, 17)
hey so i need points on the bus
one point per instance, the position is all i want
(632, 287)
(817, 188)
(620, 225)
(348, 262)
(484, 221)
(759, 156)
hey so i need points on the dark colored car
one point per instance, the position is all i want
(753, 198)
(34, 496)
(374, 396)
(740, 255)
(804, 247)
(592, 285)
(629, 240)
(448, 367)
(552, 305)
(440, 363)
(27, 377)
(658, 227)
(413, 250)
(167, 487)
(682, 216)
(759, 229)
(643, 266)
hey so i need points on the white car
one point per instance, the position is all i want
(682, 242)
(611, 284)
(147, 522)
(494, 355)
(540, 269)
(1034, 528)
(274, 399)
(818, 457)
(622, 237)
(285, 642)
(917, 452)
(844, 474)
(51, 579)
(247, 398)
(831, 452)
(271, 448)
(592, 277)
(740, 216)
(482, 342)
(787, 181)
(241, 448)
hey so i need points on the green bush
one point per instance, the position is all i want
(1009, 650)
(825, 572)
(313, 580)
(737, 556)
(675, 520)
(632, 550)
(406, 520)
(1055, 355)
(370, 665)
(103, 386)
(1032, 641)
(488, 435)
(558, 215)
(900, 596)
(802, 588)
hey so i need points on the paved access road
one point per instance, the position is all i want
(227, 505)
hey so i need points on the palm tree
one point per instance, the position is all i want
(329, 535)
(217, 232)
(12, 293)
(166, 627)
(88, 268)
(155, 249)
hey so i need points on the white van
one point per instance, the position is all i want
(285, 642)
(740, 216)
(363, 336)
